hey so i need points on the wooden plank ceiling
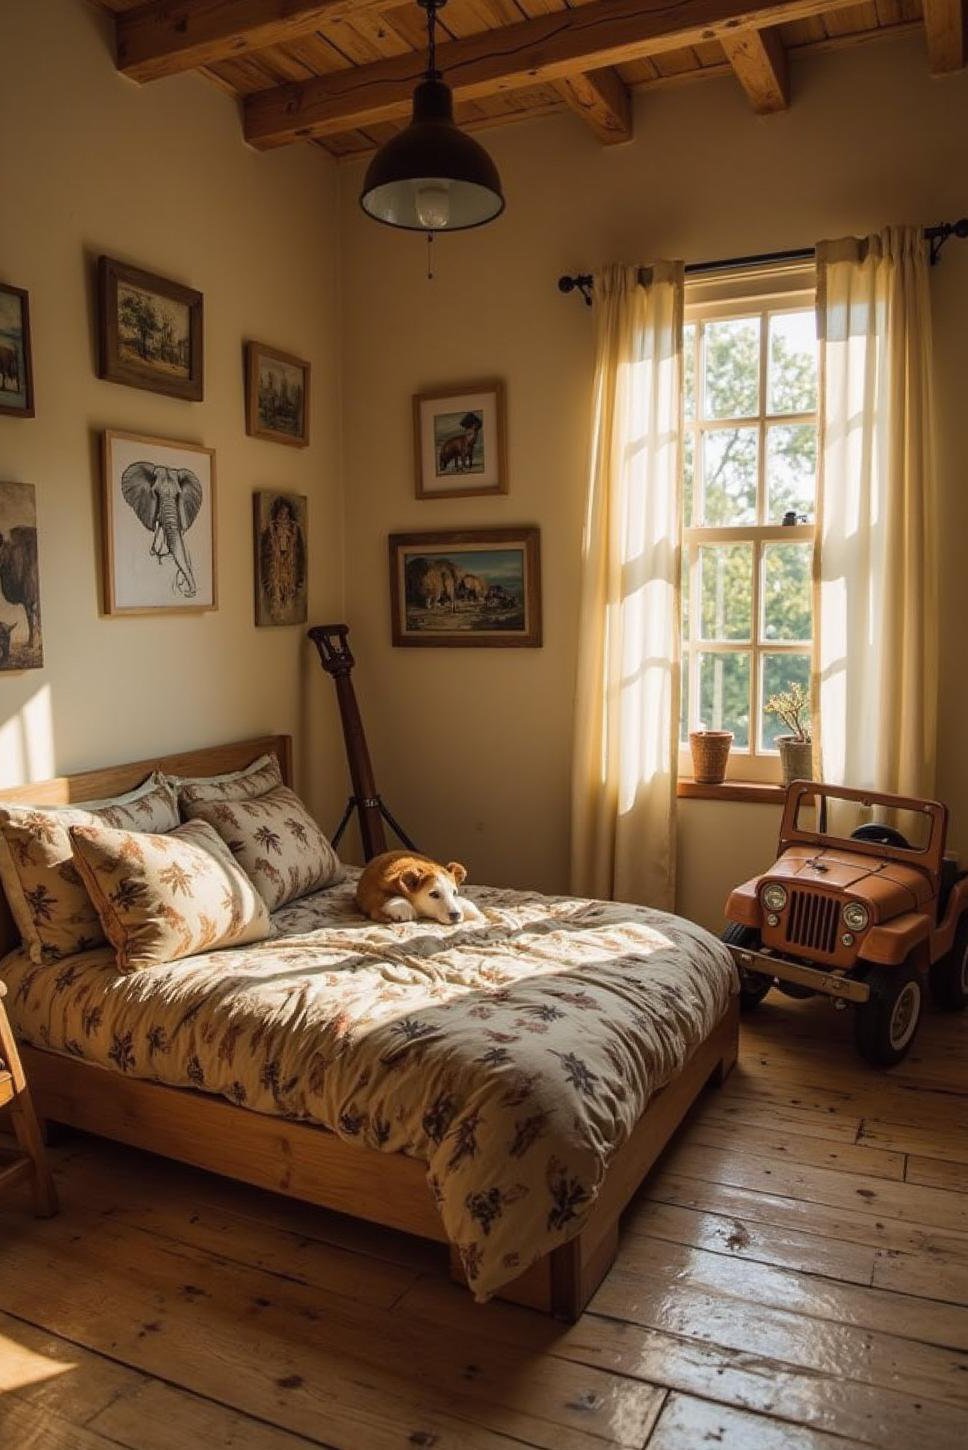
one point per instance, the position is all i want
(339, 73)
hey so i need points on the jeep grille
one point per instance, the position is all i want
(812, 922)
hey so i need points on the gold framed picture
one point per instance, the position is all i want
(276, 395)
(474, 587)
(150, 332)
(159, 526)
(460, 445)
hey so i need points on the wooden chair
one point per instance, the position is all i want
(31, 1161)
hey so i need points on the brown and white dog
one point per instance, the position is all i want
(402, 886)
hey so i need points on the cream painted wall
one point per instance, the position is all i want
(160, 177)
(472, 747)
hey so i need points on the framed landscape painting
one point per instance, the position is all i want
(459, 441)
(159, 526)
(21, 637)
(281, 552)
(16, 365)
(479, 587)
(150, 332)
(276, 395)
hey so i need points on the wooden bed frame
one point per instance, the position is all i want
(309, 1162)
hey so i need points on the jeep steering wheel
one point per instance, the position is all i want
(882, 835)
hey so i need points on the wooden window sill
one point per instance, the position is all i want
(732, 790)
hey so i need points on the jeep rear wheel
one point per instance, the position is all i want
(885, 1025)
(753, 986)
(949, 976)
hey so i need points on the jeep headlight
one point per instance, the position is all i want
(774, 896)
(856, 917)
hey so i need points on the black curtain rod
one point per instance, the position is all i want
(936, 237)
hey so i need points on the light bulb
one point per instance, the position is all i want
(432, 203)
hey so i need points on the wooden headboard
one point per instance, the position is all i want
(114, 780)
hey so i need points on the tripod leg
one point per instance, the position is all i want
(350, 804)
(396, 829)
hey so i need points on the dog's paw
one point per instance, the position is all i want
(398, 908)
(470, 912)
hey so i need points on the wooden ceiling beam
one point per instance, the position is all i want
(165, 37)
(546, 48)
(759, 62)
(946, 25)
(603, 101)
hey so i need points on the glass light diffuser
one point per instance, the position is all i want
(432, 177)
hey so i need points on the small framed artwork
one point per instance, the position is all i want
(479, 587)
(16, 365)
(276, 395)
(281, 553)
(459, 441)
(150, 331)
(21, 637)
(159, 526)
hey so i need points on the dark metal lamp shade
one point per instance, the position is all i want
(431, 177)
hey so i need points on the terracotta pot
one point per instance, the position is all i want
(796, 758)
(710, 752)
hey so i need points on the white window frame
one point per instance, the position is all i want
(791, 290)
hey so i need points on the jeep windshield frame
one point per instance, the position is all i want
(928, 857)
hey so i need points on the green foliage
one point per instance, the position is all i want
(729, 390)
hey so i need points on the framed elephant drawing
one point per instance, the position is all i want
(159, 526)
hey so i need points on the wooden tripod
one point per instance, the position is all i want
(332, 641)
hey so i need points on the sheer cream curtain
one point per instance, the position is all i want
(877, 515)
(627, 705)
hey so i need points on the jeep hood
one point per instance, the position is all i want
(887, 887)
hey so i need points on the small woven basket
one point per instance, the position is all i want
(710, 752)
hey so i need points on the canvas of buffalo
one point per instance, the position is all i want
(479, 587)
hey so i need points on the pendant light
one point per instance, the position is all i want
(431, 177)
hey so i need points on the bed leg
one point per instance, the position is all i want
(577, 1269)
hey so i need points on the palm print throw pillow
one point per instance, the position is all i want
(276, 842)
(161, 898)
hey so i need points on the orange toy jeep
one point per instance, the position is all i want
(861, 917)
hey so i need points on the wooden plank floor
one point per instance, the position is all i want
(793, 1276)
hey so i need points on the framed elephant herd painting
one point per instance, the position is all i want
(159, 526)
(466, 587)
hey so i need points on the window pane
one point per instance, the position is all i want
(792, 364)
(724, 695)
(779, 672)
(791, 470)
(731, 368)
(689, 370)
(726, 582)
(787, 593)
(688, 476)
(729, 461)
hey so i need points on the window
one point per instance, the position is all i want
(749, 484)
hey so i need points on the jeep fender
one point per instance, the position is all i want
(743, 905)
(894, 942)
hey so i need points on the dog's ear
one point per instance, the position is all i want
(458, 871)
(410, 880)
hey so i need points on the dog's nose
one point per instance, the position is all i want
(455, 916)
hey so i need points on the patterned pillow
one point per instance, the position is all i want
(54, 914)
(256, 779)
(276, 842)
(167, 896)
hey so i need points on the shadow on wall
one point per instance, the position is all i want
(27, 739)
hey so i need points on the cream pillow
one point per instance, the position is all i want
(276, 842)
(53, 912)
(256, 779)
(167, 896)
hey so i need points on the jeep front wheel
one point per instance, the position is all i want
(753, 986)
(949, 975)
(885, 1025)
